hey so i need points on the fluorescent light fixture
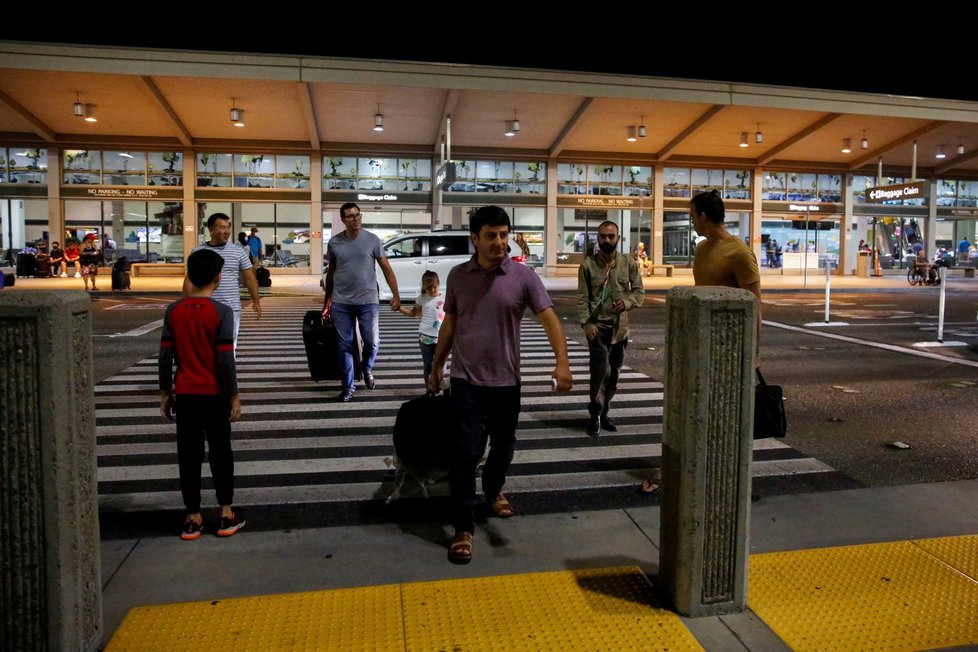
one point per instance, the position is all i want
(846, 145)
(743, 139)
(940, 152)
(631, 134)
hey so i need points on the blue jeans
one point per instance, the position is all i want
(345, 318)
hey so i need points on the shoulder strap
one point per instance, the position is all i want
(587, 281)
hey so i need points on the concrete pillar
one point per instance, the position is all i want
(847, 243)
(658, 214)
(930, 230)
(190, 226)
(50, 588)
(56, 213)
(706, 449)
(552, 230)
(757, 212)
(316, 244)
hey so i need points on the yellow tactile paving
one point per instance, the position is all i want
(590, 610)
(890, 596)
(345, 619)
(960, 553)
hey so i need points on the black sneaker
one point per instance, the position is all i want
(192, 530)
(593, 427)
(608, 424)
(231, 525)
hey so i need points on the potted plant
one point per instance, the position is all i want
(333, 163)
(171, 158)
(535, 169)
(34, 155)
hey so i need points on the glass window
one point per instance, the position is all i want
(704, 180)
(82, 166)
(214, 170)
(414, 174)
(123, 168)
(407, 248)
(830, 188)
(571, 178)
(165, 169)
(24, 165)
(676, 182)
(577, 232)
(638, 181)
(736, 184)
(774, 186)
(967, 193)
(289, 235)
(448, 246)
(292, 172)
(530, 177)
(604, 180)
(801, 187)
(22, 223)
(340, 173)
(254, 171)
(530, 223)
(377, 174)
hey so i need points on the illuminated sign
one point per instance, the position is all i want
(880, 194)
(363, 197)
(445, 176)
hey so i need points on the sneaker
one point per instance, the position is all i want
(64, 274)
(77, 275)
(231, 525)
(191, 530)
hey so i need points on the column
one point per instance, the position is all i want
(757, 211)
(847, 243)
(316, 214)
(706, 449)
(930, 231)
(56, 213)
(190, 225)
(50, 586)
(658, 214)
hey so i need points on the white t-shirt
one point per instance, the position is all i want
(432, 314)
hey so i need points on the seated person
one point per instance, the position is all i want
(57, 259)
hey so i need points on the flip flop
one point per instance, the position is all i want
(502, 507)
(460, 549)
(651, 487)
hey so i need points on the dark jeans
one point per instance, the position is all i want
(200, 416)
(427, 356)
(606, 361)
(345, 319)
(484, 413)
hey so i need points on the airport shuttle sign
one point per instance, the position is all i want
(880, 194)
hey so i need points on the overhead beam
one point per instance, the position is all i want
(893, 144)
(308, 114)
(447, 109)
(772, 153)
(183, 134)
(558, 144)
(671, 147)
(41, 129)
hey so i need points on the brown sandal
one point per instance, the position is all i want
(651, 486)
(502, 507)
(460, 549)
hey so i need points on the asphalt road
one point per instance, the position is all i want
(851, 390)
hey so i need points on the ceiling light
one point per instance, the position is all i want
(940, 152)
(743, 139)
(641, 128)
(960, 146)
(758, 135)
(846, 145)
(125, 154)
(514, 126)
(864, 143)
(90, 113)
(631, 134)
(79, 108)
(378, 120)
(237, 115)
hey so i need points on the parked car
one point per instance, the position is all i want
(412, 254)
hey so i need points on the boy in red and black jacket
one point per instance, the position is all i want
(198, 336)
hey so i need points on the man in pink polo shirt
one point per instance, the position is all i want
(484, 305)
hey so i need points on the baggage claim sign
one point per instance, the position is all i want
(880, 194)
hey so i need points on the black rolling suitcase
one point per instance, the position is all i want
(423, 432)
(7, 280)
(42, 266)
(120, 274)
(322, 346)
(264, 277)
(26, 265)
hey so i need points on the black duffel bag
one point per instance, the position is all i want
(770, 419)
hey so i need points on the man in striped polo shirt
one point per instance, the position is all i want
(236, 260)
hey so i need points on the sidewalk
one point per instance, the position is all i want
(167, 570)
(308, 284)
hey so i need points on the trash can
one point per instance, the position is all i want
(863, 263)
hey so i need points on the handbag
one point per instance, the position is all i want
(770, 419)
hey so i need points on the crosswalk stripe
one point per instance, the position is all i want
(297, 444)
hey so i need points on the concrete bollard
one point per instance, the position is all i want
(706, 449)
(50, 587)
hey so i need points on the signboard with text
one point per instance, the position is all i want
(880, 194)
(599, 202)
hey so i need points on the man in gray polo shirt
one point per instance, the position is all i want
(484, 305)
(236, 259)
(352, 297)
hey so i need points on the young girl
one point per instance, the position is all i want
(430, 308)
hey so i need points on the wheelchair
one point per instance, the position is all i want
(923, 274)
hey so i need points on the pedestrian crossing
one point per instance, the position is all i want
(296, 444)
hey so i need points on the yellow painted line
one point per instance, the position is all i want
(889, 596)
(587, 610)
(346, 619)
